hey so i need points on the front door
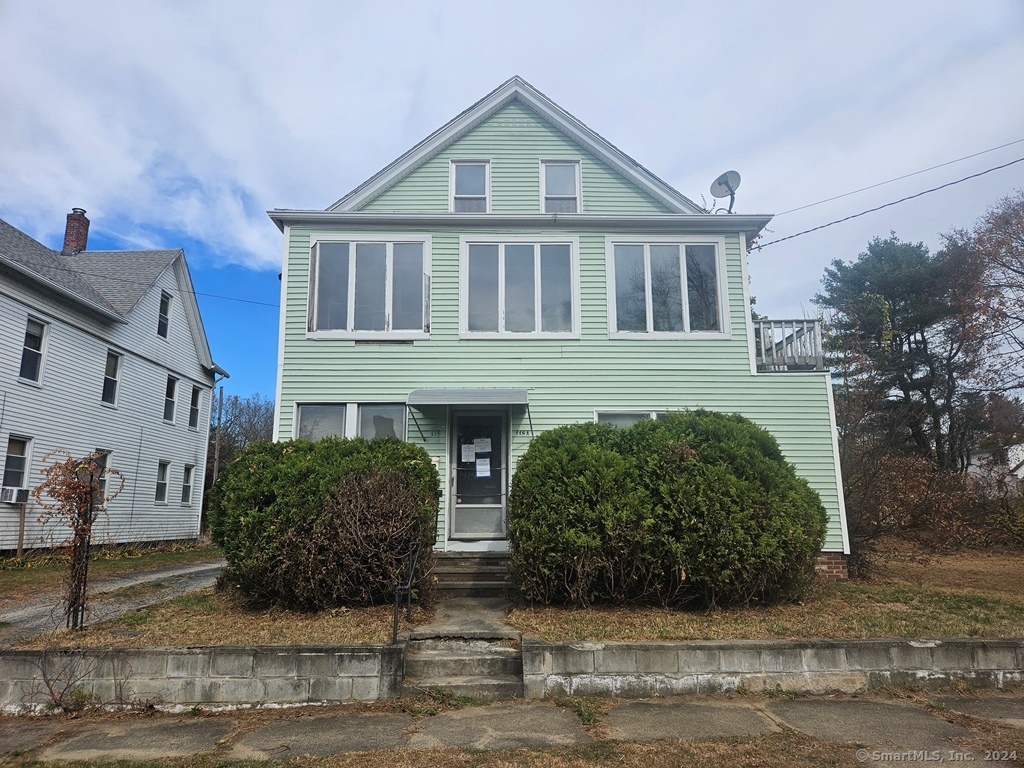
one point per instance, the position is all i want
(480, 465)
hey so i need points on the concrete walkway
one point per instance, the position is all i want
(45, 612)
(878, 725)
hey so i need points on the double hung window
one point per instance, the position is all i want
(102, 459)
(186, 484)
(32, 351)
(163, 321)
(665, 288)
(470, 185)
(111, 374)
(163, 469)
(560, 186)
(169, 398)
(367, 288)
(519, 287)
(16, 463)
(193, 408)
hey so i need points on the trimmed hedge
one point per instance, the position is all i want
(700, 507)
(316, 525)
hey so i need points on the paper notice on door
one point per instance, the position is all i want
(483, 467)
(482, 444)
(468, 453)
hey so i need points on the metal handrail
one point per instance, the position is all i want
(414, 556)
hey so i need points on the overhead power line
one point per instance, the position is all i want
(889, 205)
(900, 178)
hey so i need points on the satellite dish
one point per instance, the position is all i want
(726, 186)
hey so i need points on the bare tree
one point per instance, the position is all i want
(244, 420)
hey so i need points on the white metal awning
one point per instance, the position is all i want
(475, 396)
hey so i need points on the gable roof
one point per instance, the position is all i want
(123, 277)
(516, 89)
(110, 283)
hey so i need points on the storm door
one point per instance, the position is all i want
(480, 481)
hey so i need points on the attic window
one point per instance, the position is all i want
(560, 186)
(164, 320)
(470, 185)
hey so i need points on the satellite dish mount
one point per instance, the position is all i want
(726, 184)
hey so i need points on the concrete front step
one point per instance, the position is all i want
(473, 686)
(470, 588)
(445, 663)
(481, 668)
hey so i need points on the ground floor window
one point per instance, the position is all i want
(626, 418)
(318, 421)
(16, 463)
(367, 420)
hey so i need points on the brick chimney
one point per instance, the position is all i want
(76, 233)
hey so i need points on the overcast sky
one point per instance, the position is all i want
(181, 123)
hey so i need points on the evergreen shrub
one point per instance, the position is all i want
(311, 525)
(696, 508)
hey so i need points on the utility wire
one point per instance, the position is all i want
(900, 178)
(758, 246)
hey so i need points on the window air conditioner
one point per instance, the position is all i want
(10, 495)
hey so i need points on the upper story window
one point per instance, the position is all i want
(32, 352)
(164, 319)
(470, 186)
(560, 186)
(193, 408)
(368, 288)
(513, 288)
(111, 375)
(667, 289)
(16, 463)
(170, 395)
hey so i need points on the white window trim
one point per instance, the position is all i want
(199, 407)
(117, 379)
(42, 350)
(159, 314)
(682, 240)
(351, 415)
(579, 182)
(487, 182)
(103, 479)
(191, 483)
(574, 269)
(173, 400)
(27, 475)
(166, 483)
(642, 412)
(357, 237)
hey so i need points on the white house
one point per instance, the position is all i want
(102, 351)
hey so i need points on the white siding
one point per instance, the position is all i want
(65, 410)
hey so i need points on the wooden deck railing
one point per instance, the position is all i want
(788, 345)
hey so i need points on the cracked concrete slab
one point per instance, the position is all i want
(867, 722)
(501, 727)
(653, 719)
(1005, 710)
(20, 736)
(135, 740)
(322, 735)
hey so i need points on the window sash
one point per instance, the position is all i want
(16, 463)
(163, 322)
(162, 471)
(470, 183)
(111, 374)
(316, 421)
(515, 288)
(561, 186)
(169, 398)
(102, 460)
(382, 420)
(186, 484)
(666, 288)
(369, 286)
(193, 409)
(32, 351)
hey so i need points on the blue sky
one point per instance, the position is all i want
(179, 123)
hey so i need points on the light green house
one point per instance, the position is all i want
(513, 272)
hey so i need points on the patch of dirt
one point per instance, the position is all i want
(973, 571)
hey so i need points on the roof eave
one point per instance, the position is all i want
(748, 224)
(35, 277)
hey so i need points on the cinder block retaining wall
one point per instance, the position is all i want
(661, 669)
(254, 675)
(205, 676)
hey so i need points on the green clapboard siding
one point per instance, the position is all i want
(515, 139)
(567, 379)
